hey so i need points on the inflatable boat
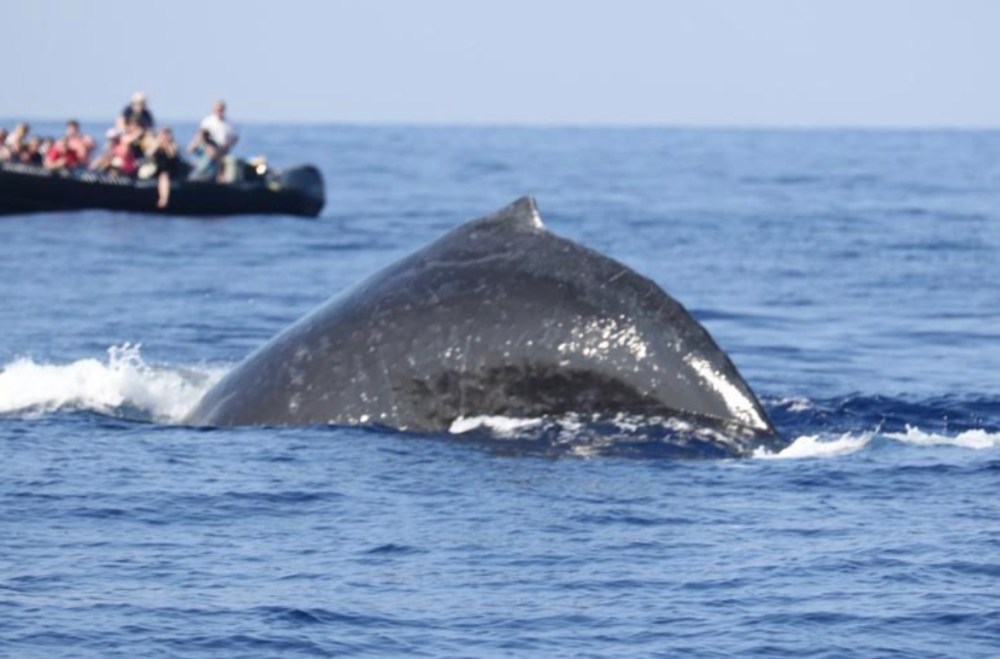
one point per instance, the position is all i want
(31, 189)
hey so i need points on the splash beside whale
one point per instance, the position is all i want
(499, 317)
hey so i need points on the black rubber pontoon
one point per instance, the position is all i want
(32, 189)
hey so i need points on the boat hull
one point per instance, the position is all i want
(31, 189)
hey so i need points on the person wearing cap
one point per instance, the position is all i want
(139, 110)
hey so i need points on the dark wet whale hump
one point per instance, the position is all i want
(497, 317)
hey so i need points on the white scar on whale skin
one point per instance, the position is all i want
(740, 406)
(598, 337)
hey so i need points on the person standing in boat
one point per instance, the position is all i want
(224, 138)
(137, 110)
(220, 130)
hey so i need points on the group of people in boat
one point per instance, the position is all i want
(133, 147)
(69, 151)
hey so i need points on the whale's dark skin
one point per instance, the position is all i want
(497, 317)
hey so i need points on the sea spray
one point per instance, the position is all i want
(124, 385)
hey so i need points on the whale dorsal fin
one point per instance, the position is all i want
(520, 215)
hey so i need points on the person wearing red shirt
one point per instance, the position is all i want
(61, 156)
(81, 144)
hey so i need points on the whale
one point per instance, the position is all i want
(498, 317)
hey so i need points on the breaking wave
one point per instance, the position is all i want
(817, 446)
(122, 385)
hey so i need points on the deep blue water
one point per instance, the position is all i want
(851, 276)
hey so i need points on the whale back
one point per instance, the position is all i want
(497, 317)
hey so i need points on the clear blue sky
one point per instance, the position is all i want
(699, 62)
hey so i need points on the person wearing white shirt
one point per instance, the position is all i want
(220, 130)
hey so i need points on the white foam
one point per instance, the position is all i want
(972, 439)
(795, 404)
(815, 446)
(500, 425)
(122, 382)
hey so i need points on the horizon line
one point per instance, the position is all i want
(541, 125)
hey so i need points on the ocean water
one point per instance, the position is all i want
(851, 276)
